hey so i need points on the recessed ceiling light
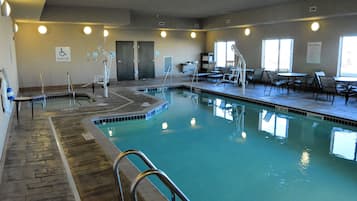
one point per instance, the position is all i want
(87, 30)
(42, 29)
(6, 9)
(163, 34)
(247, 31)
(315, 26)
(16, 27)
(106, 33)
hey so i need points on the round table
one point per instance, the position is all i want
(347, 81)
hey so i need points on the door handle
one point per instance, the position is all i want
(119, 61)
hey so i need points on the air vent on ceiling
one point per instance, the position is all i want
(161, 24)
(313, 9)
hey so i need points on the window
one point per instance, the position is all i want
(348, 56)
(223, 109)
(275, 125)
(344, 143)
(224, 54)
(277, 54)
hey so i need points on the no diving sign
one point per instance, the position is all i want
(63, 54)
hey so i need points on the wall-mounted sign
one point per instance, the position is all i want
(313, 52)
(63, 54)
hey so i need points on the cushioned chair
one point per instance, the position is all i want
(273, 80)
(256, 77)
(328, 87)
(318, 86)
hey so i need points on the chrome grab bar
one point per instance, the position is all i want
(164, 178)
(122, 155)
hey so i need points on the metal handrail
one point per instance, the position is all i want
(194, 76)
(166, 75)
(164, 178)
(116, 166)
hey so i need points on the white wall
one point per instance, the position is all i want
(7, 62)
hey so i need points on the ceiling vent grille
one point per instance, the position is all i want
(313, 9)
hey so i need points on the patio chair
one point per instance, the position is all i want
(318, 85)
(328, 87)
(257, 76)
(274, 80)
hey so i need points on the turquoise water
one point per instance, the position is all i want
(218, 149)
(62, 103)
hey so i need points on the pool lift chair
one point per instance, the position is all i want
(102, 80)
(152, 170)
(230, 76)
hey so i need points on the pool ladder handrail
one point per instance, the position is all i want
(151, 171)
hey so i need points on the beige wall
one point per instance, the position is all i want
(177, 44)
(285, 12)
(329, 34)
(7, 62)
(36, 53)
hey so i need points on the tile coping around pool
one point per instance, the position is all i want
(163, 106)
(280, 107)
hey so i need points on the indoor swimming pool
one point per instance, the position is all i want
(219, 149)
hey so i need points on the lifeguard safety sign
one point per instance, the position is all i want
(63, 54)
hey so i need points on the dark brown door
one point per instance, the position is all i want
(125, 60)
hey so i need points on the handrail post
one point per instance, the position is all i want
(122, 155)
(163, 177)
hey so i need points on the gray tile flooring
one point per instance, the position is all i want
(33, 167)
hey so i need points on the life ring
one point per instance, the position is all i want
(10, 94)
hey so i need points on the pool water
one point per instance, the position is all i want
(63, 103)
(219, 149)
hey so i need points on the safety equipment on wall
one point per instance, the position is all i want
(7, 93)
(10, 94)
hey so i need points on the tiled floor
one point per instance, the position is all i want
(33, 167)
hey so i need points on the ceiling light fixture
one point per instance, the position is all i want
(315, 26)
(87, 30)
(5, 9)
(163, 34)
(105, 33)
(193, 34)
(247, 31)
(42, 29)
(16, 27)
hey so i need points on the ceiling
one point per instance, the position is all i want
(174, 8)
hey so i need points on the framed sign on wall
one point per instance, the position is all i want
(63, 54)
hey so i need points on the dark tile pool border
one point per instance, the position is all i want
(300, 111)
(128, 117)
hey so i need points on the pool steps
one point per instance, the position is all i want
(153, 170)
(118, 118)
